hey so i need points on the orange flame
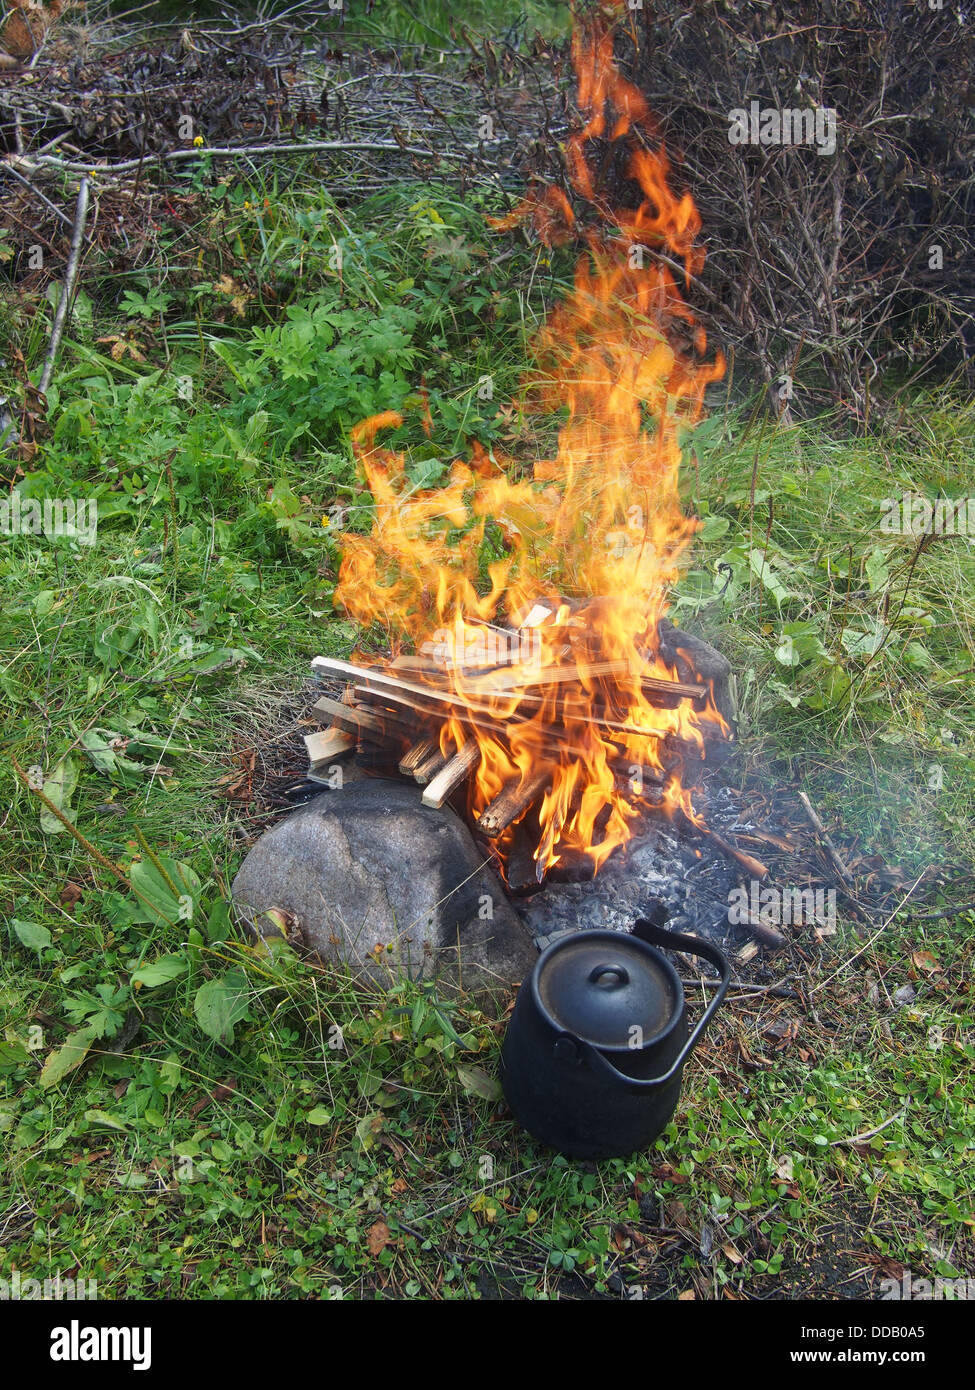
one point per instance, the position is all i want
(595, 539)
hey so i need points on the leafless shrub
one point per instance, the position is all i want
(826, 267)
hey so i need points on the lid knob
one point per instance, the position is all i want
(609, 976)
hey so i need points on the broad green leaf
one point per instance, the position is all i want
(918, 657)
(218, 921)
(221, 1004)
(476, 1082)
(767, 576)
(219, 659)
(800, 642)
(789, 697)
(831, 688)
(69, 1055)
(59, 788)
(170, 1071)
(12, 1055)
(785, 652)
(132, 1179)
(876, 569)
(12, 689)
(96, 744)
(160, 971)
(714, 526)
(319, 1116)
(426, 473)
(104, 1120)
(168, 897)
(860, 643)
(368, 1129)
(31, 934)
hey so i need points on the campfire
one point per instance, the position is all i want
(534, 677)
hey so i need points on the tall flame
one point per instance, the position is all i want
(595, 538)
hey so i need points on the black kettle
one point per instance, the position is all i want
(595, 1049)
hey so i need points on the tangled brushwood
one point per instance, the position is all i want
(827, 269)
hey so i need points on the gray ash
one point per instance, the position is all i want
(660, 873)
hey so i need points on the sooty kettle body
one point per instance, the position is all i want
(595, 1050)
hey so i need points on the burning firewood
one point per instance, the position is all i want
(506, 682)
(416, 755)
(435, 723)
(456, 770)
(512, 801)
(431, 766)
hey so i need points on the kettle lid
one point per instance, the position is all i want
(601, 985)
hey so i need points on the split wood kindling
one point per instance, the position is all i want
(420, 713)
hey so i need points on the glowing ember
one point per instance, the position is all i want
(594, 539)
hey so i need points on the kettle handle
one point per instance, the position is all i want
(685, 945)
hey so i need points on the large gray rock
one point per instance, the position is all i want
(365, 865)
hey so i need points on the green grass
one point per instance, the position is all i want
(847, 640)
(230, 1147)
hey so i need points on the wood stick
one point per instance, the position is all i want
(457, 770)
(333, 743)
(317, 773)
(767, 935)
(429, 769)
(385, 703)
(417, 754)
(475, 718)
(766, 837)
(420, 699)
(501, 728)
(383, 684)
(123, 166)
(557, 675)
(753, 866)
(426, 665)
(512, 800)
(483, 717)
(356, 720)
(870, 1133)
(384, 681)
(824, 839)
(67, 288)
(449, 705)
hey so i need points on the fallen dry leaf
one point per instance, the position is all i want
(674, 1214)
(782, 1031)
(668, 1174)
(924, 960)
(396, 1149)
(378, 1238)
(219, 1093)
(69, 895)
